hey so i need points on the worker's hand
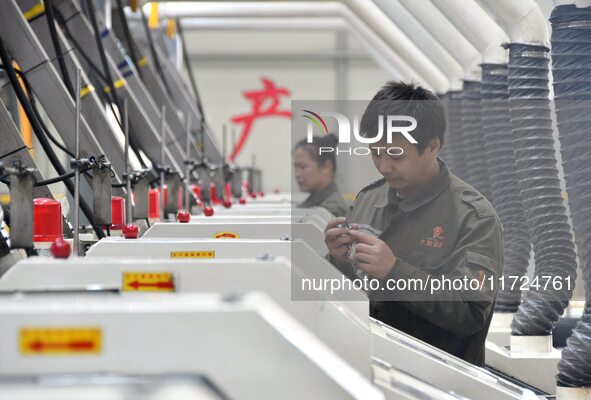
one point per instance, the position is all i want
(337, 240)
(372, 254)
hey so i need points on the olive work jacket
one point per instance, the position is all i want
(329, 198)
(447, 231)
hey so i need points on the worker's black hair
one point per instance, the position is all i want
(330, 140)
(409, 99)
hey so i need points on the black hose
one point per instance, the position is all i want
(476, 172)
(189, 68)
(155, 57)
(102, 55)
(104, 80)
(36, 111)
(498, 139)
(571, 57)
(22, 97)
(127, 34)
(49, 12)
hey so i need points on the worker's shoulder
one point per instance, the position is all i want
(372, 189)
(470, 199)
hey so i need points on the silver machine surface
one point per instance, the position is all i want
(203, 334)
(325, 317)
(310, 233)
(109, 387)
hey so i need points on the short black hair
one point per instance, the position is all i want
(330, 140)
(402, 98)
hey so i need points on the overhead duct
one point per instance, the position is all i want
(472, 141)
(388, 45)
(498, 139)
(424, 41)
(445, 33)
(571, 57)
(486, 36)
(263, 24)
(441, 30)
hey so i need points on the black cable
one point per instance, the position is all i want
(49, 10)
(22, 97)
(127, 34)
(187, 62)
(153, 52)
(36, 111)
(105, 80)
(102, 55)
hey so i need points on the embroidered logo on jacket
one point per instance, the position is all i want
(436, 239)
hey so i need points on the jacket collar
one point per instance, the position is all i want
(321, 195)
(437, 185)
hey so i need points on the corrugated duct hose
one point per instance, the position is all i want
(571, 62)
(455, 133)
(447, 152)
(476, 172)
(544, 209)
(498, 139)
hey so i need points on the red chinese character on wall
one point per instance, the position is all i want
(265, 103)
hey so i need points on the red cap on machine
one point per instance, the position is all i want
(60, 248)
(154, 204)
(117, 212)
(131, 231)
(47, 220)
(183, 216)
(208, 211)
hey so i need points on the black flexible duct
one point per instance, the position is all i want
(473, 143)
(537, 171)
(498, 139)
(571, 58)
(22, 97)
(454, 137)
(445, 153)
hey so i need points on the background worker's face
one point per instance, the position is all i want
(408, 171)
(310, 175)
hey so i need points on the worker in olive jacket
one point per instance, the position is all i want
(430, 226)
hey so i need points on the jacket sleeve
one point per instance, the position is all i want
(477, 258)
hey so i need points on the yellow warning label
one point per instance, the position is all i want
(60, 341)
(226, 235)
(142, 61)
(193, 254)
(148, 282)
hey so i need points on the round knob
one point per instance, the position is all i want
(227, 203)
(60, 248)
(242, 200)
(183, 216)
(208, 211)
(131, 231)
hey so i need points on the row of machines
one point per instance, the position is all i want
(217, 298)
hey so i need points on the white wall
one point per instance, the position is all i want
(299, 61)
